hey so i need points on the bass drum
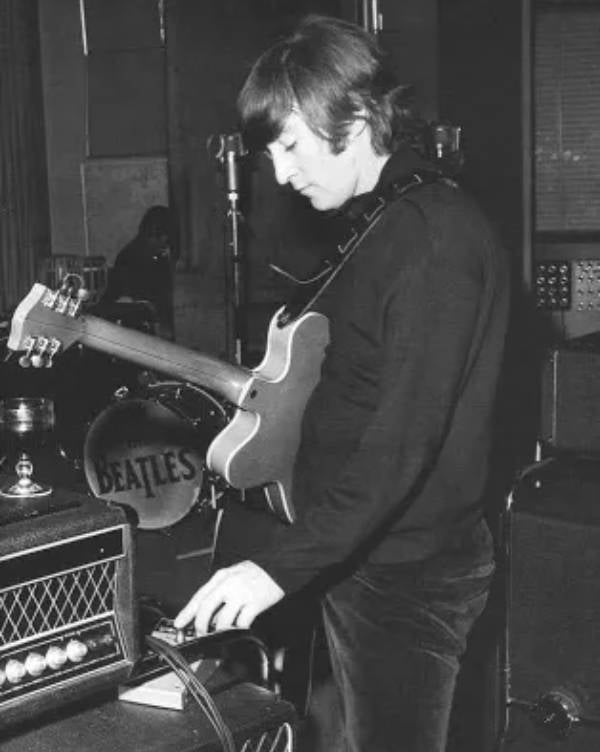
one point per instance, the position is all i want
(148, 452)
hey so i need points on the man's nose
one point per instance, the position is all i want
(283, 167)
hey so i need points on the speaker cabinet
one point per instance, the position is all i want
(570, 397)
(553, 610)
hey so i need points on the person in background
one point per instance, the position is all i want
(396, 438)
(143, 270)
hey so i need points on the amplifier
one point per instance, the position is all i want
(570, 397)
(67, 622)
(553, 610)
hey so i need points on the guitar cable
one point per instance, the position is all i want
(200, 694)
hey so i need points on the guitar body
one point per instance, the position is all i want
(258, 447)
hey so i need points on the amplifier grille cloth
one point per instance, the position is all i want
(60, 600)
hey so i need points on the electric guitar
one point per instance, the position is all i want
(258, 445)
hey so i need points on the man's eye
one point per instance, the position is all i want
(290, 147)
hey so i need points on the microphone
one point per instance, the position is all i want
(230, 147)
(234, 148)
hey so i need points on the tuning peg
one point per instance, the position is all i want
(74, 307)
(25, 359)
(62, 303)
(38, 359)
(53, 348)
(50, 298)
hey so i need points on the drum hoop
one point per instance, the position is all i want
(172, 404)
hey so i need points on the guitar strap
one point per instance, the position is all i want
(359, 228)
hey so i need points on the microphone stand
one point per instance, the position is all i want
(231, 149)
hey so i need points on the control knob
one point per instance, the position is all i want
(76, 650)
(15, 671)
(56, 656)
(35, 664)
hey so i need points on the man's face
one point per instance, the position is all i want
(305, 161)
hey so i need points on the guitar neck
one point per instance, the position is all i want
(145, 350)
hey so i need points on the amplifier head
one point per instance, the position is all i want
(67, 621)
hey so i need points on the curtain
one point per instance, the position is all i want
(24, 212)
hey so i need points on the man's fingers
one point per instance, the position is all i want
(198, 602)
(186, 615)
(232, 597)
(246, 616)
(197, 606)
(226, 616)
(207, 616)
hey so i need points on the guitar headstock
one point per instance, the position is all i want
(44, 323)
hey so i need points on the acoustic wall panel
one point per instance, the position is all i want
(117, 194)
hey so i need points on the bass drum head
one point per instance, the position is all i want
(142, 454)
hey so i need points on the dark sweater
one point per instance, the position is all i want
(396, 436)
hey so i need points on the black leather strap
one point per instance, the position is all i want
(358, 228)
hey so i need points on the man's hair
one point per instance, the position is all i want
(332, 72)
(159, 223)
(156, 221)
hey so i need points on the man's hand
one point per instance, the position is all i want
(233, 597)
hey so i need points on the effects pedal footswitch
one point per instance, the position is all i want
(165, 630)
